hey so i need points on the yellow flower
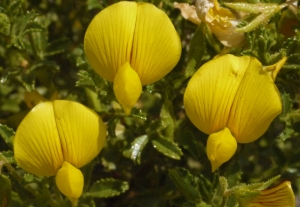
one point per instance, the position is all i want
(221, 21)
(232, 97)
(131, 44)
(57, 138)
(281, 195)
(188, 12)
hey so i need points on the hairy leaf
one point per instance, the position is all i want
(7, 134)
(106, 188)
(167, 147)
(186, 184)
(137, 146)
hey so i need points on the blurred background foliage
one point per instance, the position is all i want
(155, 156)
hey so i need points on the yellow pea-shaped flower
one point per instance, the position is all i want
(232, 97)
(221, 21)
(57, 138)
(131, 44)
(281, 195)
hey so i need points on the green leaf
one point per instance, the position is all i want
(243, 193)
(28, 177)
(187, 140)
(286, 117)
(14, 6)
(106, 188)
(287, 104)
(5, 25)
(44, 65)
(218, 190)
(5, 191)
(93, 4)
(85, 80)
(137, 146)
(22, 22)
(263, 185)
(167, 120)
(28, 82)
(167, 147)
(223, 184)
(57, 46)
(7, 134)
(93, 101)
(34, 27)
(111, 125)
(196, 51)
(232, 202)
(77, 57)
(202, 204)
(186, 184)
(9, 156)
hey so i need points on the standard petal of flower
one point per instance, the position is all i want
(37, 145)
(82, 132)
(221, 146)
(256, 104)
(156, 45)
(108, 39)
(281, 195)
(127, 87)
(70, 181)
(211, 91)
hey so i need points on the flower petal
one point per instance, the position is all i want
(156, 46)
(70, 181)
(228, 36)
(37, 145)
(188, 12)
(281, 195)
(256, 104)
(82, 132)
(108, 39)
(211, 91)
(127, 87)
(221, 146)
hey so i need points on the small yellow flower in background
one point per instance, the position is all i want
(281, 196)
(34, 98)
(221, 21)
(188, 12)
(131, 44)
(233, 99)
(57, 138)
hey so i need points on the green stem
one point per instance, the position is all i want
(224, 200)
